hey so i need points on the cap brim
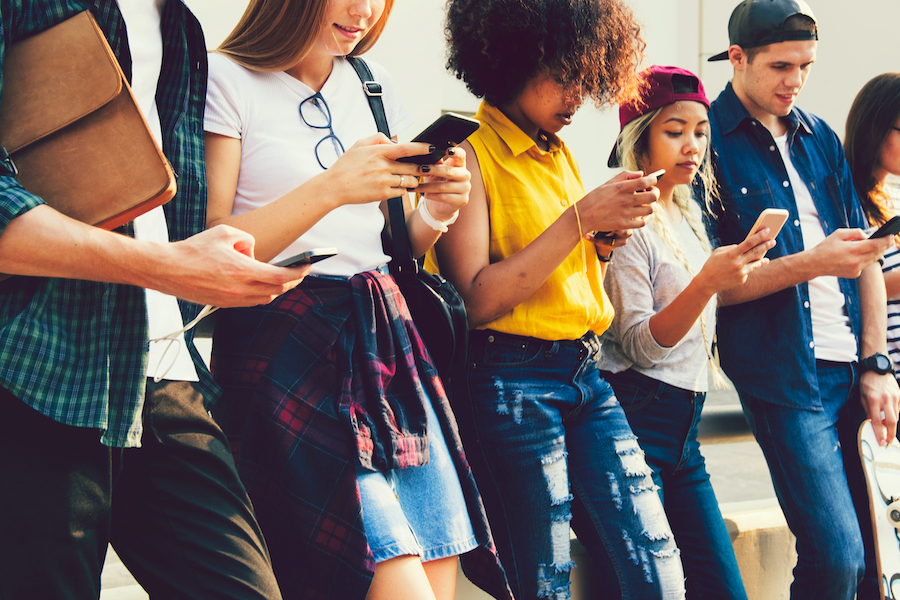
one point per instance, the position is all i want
(720, 56)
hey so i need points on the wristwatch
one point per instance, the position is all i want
(878, 363)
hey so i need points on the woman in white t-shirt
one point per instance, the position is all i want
(336, 415)
(872, 146)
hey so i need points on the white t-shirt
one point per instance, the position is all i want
(142, 20)
(832, 334)
(277, 149)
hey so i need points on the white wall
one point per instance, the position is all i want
(857, 42)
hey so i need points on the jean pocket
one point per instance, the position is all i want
(632, 397)
(503, 351)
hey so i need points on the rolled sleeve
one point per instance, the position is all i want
(14, 201)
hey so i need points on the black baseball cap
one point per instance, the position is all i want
(761, 22)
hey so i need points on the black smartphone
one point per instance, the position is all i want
(447, 131)
(306, 258)
(892, 227)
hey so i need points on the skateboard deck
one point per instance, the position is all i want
(882, 469)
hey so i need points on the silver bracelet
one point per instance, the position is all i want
(434, 223)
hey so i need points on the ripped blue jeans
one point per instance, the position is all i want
(549, 444)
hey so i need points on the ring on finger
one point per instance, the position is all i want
(400, 185)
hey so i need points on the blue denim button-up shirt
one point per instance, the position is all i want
(766, 345)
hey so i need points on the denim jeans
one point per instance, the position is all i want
(549, 444)
(815, 466)
(665, 418)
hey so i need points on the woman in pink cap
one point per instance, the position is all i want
(658, 352)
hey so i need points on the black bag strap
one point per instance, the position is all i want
(403, 260)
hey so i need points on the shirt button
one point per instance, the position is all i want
(743, 190)
(490, 338)
(562, 203)
(753, 123)
(806, 304)
(812, 345)
(771, 148)
(796, 222)
(785, 183)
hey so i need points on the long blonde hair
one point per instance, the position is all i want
(632, 151)
(274, 35)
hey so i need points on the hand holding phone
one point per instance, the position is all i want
(773, 218)
(308, 257)
(447, 131)
(892, 227)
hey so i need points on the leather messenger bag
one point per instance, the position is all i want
(73, 131)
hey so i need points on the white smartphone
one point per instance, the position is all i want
(308, 257)
(773, 218)
(657, 174)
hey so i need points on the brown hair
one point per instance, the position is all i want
(872, 115)
(274, 35)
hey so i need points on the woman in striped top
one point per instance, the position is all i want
(872, 145)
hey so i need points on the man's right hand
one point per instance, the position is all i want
(846, 252)
(217, 267)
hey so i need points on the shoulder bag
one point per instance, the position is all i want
(436, 307)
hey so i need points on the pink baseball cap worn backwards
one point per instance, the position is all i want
(663, 86)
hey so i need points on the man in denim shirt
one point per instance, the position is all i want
(801, 340)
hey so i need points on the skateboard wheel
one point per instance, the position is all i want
(893, 514)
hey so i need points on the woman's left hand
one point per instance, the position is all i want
(445, 185)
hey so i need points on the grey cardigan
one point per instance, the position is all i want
(644, 277)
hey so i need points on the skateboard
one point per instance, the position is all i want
(882, 469)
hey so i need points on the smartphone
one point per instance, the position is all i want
(892, 227)
(773, 218)
(657, 174)
(447, 131)
(308, 257)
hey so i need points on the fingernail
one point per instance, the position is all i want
(431, 149)
(450, 152)
(426, 168)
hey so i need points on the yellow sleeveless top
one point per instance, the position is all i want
(527, 190)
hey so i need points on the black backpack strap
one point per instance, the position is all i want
(402, 250)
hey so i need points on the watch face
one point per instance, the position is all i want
(882, 363)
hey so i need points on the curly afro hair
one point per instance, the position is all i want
(497, 45)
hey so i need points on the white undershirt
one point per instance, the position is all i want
(142, 19)
(832, 334)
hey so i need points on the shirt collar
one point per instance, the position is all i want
(517, 140)
(732, 113)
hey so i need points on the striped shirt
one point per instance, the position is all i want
(891, 262)
(75, 350)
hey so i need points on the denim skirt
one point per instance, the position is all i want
(417, 511)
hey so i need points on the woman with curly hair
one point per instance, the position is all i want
(872, 146)
(547, 440)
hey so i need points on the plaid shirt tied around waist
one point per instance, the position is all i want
(330, 376)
